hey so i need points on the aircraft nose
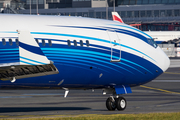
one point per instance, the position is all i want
(166, 63)
(162, 59)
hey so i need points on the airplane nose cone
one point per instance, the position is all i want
(163, 60)
(166, 63)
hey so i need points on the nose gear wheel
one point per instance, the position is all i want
(116, 103)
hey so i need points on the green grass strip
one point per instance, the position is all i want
(148, 116)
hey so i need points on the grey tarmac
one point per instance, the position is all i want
(160, 95)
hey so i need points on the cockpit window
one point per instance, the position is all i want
(152, 42)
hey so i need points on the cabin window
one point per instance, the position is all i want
(50, 42)
(37, 41)
(3, 41)
(87, 43)
(75, 43)
(17, 42)
(69, 43)
(81, 43)
(10, 42)
(43, 42)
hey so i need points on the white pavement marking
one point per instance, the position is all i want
(166, 81)
(174, 63)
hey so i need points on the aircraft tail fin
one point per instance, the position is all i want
(116, 17)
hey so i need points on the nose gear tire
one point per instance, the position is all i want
(110, 104)
(121, 103)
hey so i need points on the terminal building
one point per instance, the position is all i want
(154, 15)
(146, 15)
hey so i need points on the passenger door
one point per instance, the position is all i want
(115, 45)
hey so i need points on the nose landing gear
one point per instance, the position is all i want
(116, 102)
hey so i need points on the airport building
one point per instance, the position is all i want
(154, 15)
(147, 15)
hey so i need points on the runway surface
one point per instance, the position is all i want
(160, 95)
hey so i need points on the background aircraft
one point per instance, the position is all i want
(158, 36)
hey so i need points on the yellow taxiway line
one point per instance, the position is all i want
(166, 91)
(171, 73)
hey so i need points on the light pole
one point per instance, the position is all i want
(30, 7)
(107, 9)
(114, 5)
(37, 6)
